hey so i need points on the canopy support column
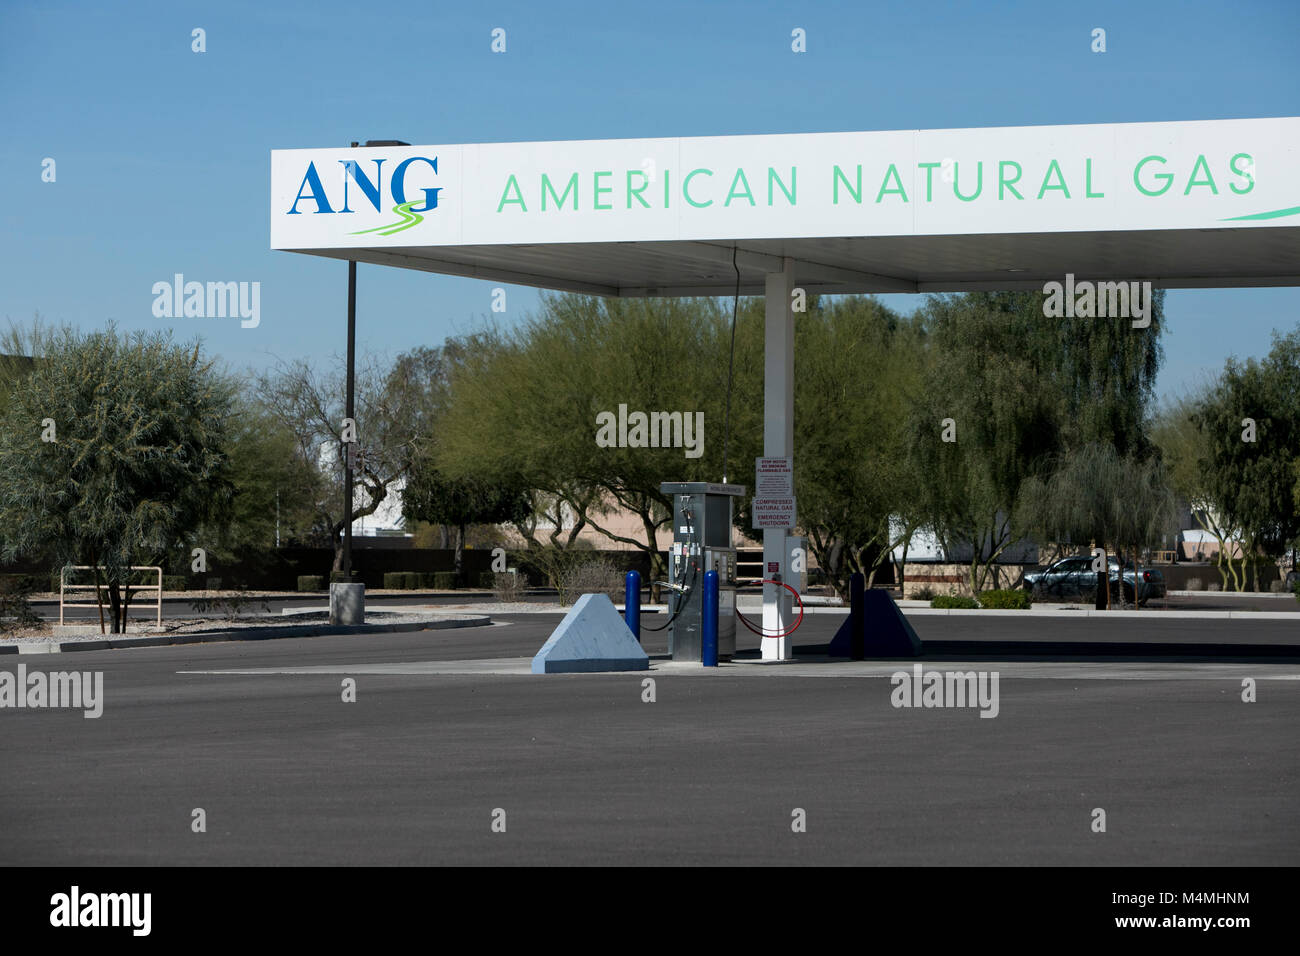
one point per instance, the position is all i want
(778, 442)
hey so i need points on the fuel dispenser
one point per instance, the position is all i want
(702, 513)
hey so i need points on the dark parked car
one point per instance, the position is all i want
(1073, 577)
(1150, 582)
(1065, 578)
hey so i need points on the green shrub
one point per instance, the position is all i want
(231, 606)
(21, 583)
(16, 584)
(508, 587)
(311, 582)
(923, 594)
(1005, 599)
(424, 579)
(445, 580)
(488, 579)
(338, 577)
(393, 580)
(174, 582)
(13, 600)
(954, 602)
(597, 574)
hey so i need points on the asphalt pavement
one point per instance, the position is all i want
(581, 769)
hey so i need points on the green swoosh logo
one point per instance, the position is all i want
(408, 220)
(1275, 214)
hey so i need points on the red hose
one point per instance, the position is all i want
(798, 620)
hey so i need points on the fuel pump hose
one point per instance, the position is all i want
(758, 630)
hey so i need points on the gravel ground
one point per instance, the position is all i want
(500, 607)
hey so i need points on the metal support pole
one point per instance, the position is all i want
(709, 620)
(778, 442)
(632, 603)
(347, 448)
(350, 413)
(857, 618)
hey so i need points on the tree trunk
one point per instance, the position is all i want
(526, 530)
(652, 535)
(1238, 577)
(1137, 582)
(902, 567)
(460, 555)
(338, 549)
(576, 530)
(115, 606)
(99, 596)
(824, 551)
(834, 567)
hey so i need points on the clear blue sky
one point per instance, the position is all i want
(163, 154)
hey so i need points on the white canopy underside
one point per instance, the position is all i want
(1174, 259)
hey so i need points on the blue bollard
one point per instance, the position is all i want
(632, 603)
(857, 620)
(709, 620)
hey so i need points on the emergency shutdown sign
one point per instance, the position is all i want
(773, 493)
(774, 513)
(773, 477)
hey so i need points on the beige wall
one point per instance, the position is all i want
(626, 523)
(953, 578)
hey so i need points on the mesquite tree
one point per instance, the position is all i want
(111, 451)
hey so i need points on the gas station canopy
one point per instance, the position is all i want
(1213, 203)
(1187, 204)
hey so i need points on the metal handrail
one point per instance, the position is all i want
(64, 587)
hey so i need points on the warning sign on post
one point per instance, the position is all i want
(774, 513)
(773, 477)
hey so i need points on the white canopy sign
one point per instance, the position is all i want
(920, 182)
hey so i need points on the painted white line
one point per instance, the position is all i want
(1234, 594)
(1149, 615)
(1012, 670)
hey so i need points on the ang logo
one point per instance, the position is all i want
(311, 189)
